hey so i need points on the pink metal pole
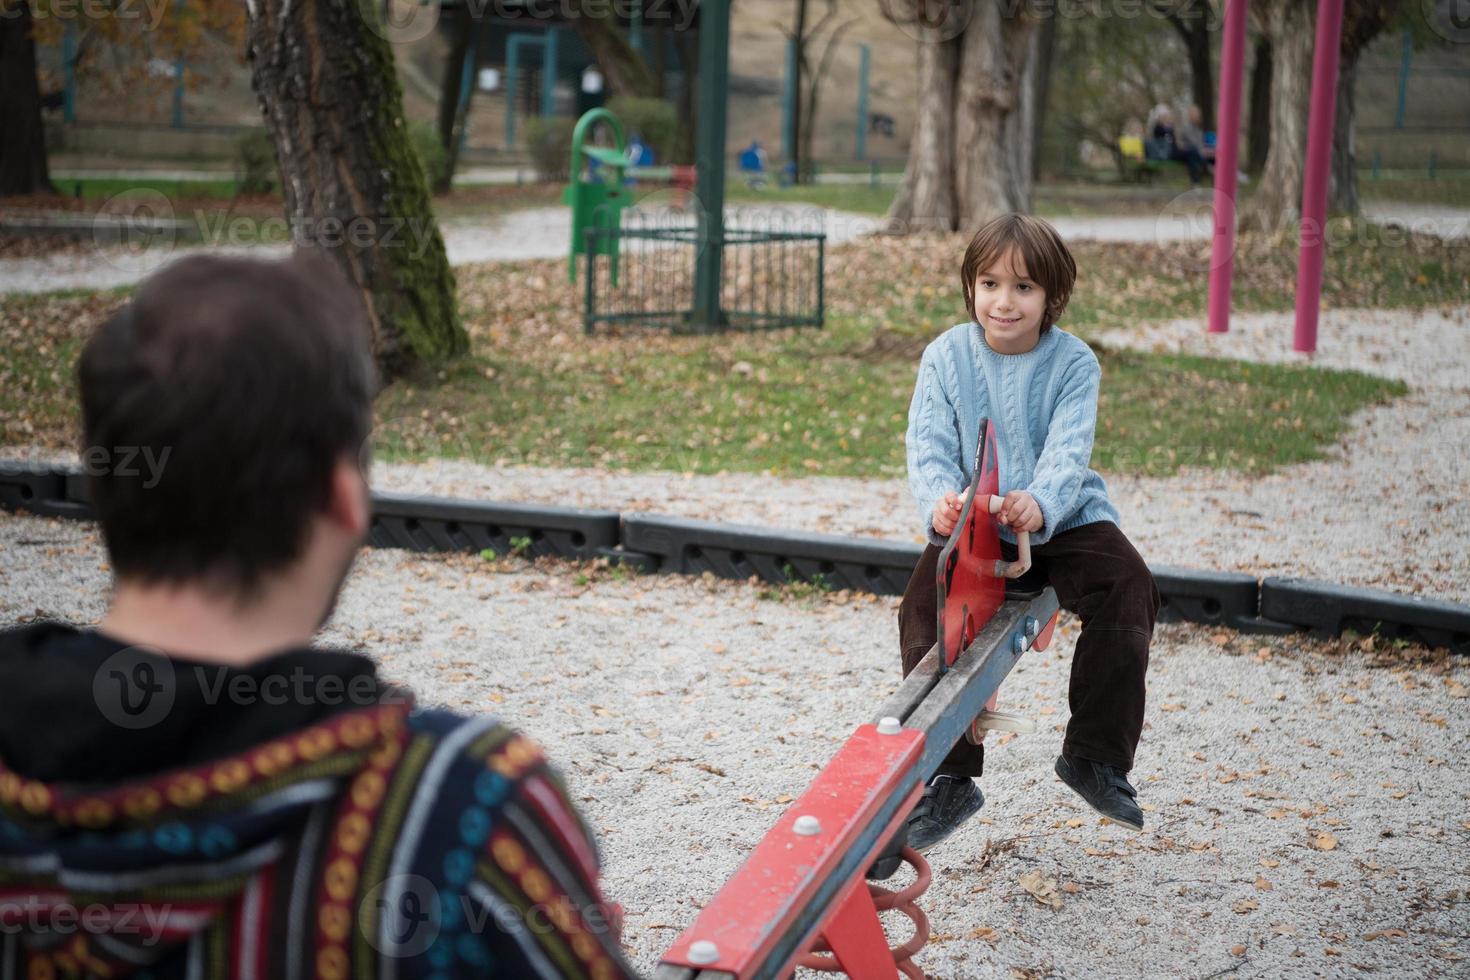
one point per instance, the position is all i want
(1227, 154)
(1319, 164)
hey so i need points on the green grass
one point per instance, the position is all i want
(831, 401)
(804, 402)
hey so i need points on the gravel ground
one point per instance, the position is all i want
(1307, 804)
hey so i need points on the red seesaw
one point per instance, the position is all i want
(804, 891)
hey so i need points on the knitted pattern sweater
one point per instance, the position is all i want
(1043, 404)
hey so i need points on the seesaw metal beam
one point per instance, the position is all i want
(770, 912)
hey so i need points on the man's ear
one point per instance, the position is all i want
(349, 504)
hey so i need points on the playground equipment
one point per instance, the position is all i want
(803, 892)
(598, 191)
(1314, 183)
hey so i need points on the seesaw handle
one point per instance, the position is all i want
(1022, 564)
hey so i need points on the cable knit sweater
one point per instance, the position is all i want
(1043, 404)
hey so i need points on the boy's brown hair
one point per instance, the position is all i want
(1047, 261)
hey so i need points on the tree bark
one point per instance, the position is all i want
(687, 44)
(1194, 31)
(453, 80)
(1046, 44)
(626, 71)
(994, 107)
(971, 154)
(23, 165)
(1276, 202)
(798, 165)
(1258, 137)
(926, 199)
(353, 185)
(1342, 193)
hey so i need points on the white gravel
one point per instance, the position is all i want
(685, 712)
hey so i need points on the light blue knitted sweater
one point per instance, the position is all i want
(1043, 404)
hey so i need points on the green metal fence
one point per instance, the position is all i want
(772, 277)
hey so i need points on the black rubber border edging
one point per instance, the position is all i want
(692, 547)
(652, 542)
(441, 524)
(1328, 609)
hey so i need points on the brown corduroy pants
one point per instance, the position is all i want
(1098, 575)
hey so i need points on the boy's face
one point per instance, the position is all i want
(1009, 305)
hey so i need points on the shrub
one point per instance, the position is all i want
(255, 160)
(550, 144)
(653, 119)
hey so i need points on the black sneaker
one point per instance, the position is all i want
(948, 801)
(1105, 788)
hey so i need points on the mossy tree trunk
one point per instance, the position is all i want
(353, 185)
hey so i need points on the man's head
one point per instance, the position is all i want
(249, 384)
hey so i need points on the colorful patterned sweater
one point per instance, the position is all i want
(326, 830)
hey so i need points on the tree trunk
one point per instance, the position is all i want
(798, 163)
(626, 71)
(1046, 43)
(23, 168)
(1194, 31)
(1276, 202)
(1342, 194)
(453, 81)
(1258, 137)
(353, 184)
(971, 154)
(926, 199)
(994, 108)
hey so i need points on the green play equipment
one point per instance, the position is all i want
(596, 205)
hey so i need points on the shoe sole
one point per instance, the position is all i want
(962, 821)
(1136, 827)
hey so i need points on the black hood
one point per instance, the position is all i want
(79, 707)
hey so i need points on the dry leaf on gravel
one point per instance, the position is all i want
(1245, 905)
(1386, 934)
(1323, 841)
(985, 933)
(1041, 888)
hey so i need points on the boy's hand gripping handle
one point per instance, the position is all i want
(1022, 564)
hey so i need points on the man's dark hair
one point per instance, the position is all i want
(1048, 262)
(254, 378)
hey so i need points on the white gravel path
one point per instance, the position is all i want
(684, 713)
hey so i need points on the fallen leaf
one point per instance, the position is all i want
(1285, 929)
(986, 933)
(1245, 905)
(1262, 883)
(1071, 887)
(1386, 934)
(1043, 889)
(1237, 950)
(1270, 862)
(1323, 841)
